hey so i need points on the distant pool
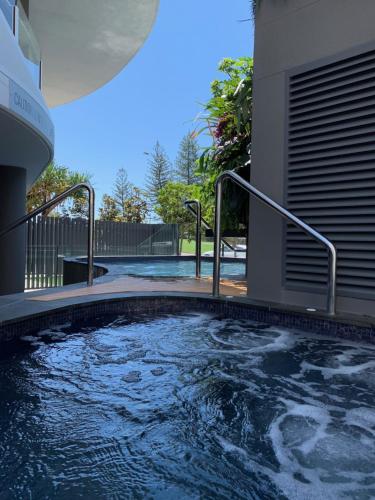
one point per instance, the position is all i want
(183, 267)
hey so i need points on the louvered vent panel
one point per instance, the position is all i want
(331, 174)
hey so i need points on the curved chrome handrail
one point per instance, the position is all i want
(205, 224)
(55, 201)
(229, 175)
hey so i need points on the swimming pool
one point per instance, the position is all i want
(170, 267)
(186, 406)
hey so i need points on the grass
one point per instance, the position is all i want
(189, 247)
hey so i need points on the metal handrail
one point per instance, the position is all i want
(198, 238)
(332, 267)
(198, 216)
(55, 201)
(205, 224)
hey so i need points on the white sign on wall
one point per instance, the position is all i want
(24, 105)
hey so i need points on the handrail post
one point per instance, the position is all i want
(332, 268)
(188, 204)
(217, 237)
(91, 237)
(198, 242)
(198, 236)
(332, 273)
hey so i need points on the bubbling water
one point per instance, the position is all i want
(187, 406)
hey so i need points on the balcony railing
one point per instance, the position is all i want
(19, 23)
(28, 43)
(7, 8)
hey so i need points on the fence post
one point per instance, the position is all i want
(178, 240)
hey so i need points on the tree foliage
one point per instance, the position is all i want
(108, 211)
(159, 172)
(227, 118)
(170, 203)
(170, 206)
(53, 181)
(122, 191)
(126, 204)
(186, 160)
(135, 207)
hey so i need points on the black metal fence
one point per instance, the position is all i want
(50, 239)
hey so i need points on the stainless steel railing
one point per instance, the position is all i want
(55, 201)
(205, 224)
(198, 239)
(232, 176)
(201, 221)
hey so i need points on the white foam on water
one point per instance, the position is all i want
(297, 410)
(216, 337)
(229, 447)
(284, 480)
(45, 333)
(198, 318)
(344, 370)
(362, 417)
(58, 335)
(29, 338)
(270, 340)
(329, 454)
(259, 373)
(251, 386)
(284, 341)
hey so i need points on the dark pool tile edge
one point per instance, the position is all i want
(153, 303)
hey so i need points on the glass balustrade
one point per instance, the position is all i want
(7, 9)
(28, 43)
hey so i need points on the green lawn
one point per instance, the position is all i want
(187, 247)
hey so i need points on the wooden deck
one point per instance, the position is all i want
(126, 284)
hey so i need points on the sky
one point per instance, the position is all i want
(157, 96)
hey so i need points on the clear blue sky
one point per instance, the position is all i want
(157, 96)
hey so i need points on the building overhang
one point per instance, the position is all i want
(85, 44)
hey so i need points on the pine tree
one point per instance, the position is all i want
(159, 172)
(186, 160)
(122, 191)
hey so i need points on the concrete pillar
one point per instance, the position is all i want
(12, 245)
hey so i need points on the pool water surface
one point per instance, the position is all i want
(186, 406)
(164, 268)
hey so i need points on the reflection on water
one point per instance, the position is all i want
(186, 407)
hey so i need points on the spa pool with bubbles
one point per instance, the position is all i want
(186, 406)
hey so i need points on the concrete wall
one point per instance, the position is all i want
(289, 34)
(12, 245)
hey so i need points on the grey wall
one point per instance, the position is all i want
(289, 34)
(76, 271)
(12, 245)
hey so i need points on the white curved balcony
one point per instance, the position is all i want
(85, 44)
(24, 117)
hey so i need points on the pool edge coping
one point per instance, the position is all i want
(353, 328)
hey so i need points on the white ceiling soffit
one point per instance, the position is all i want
(85, 43)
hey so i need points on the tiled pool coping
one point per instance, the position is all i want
(156, 303)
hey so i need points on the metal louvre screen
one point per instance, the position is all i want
(331, 174)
